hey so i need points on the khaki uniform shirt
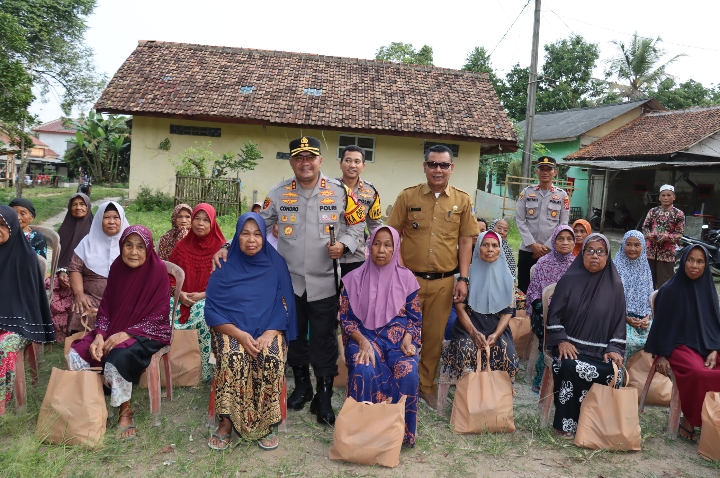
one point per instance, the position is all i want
(369, 199)
(538, 213)
(303, 231)
(432, 227)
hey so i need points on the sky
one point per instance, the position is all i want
(453, 28)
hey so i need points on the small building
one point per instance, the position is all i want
(680, 147)
(56, 135)
(40, 156)
(181, 93)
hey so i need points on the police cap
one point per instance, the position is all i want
(306, 143)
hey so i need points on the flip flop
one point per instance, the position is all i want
(222, 440)
(691, 438)
(269, 436)
(123, 430)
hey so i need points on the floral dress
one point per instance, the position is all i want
(11, 350)
(394, 374)
(197, 321)
(37, 242)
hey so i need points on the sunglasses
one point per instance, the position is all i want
(598, 252)
(435, 165)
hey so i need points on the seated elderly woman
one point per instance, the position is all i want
(685, 334)
(194, 256)
(90, 263)
(133, 322)
(250, 308)
(24, 310)
(585, 330)
(549, 269)
(25, 210)
(380, 317)
(632, 265)
(180, 220)
(483, 321)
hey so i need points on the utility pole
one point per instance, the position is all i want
(532, 90)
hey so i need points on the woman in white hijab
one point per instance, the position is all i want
(90, 263)
(483, 320)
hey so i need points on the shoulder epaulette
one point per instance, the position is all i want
(460, 190)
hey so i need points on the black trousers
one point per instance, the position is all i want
(348, 267)
(525, 262)
(321, 351)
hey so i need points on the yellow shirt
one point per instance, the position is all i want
(432, 227)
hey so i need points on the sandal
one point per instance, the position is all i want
(266, 442)
(691, 438)
(222, 440)
(123, 430)
(564, 435)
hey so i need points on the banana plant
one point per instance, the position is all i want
(103, 142)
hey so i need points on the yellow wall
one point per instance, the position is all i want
(610, 126)
(397, 159)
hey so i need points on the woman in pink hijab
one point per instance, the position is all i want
(381, 319)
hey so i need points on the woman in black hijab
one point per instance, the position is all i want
(24, 310)
(686, 334)
(585, 329)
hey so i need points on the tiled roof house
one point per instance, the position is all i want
(189, 93)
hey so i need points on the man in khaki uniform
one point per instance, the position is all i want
(352, 164)
(437, 224)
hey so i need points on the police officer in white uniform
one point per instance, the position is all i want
(304, 207)
(539, 210)
(352, 164)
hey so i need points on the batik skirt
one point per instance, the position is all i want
(636, 338)
(12, 346)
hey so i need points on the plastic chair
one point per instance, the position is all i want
(20, 391)
(53, 240)
(548, 383)
(534, 345)
(153, 370)
(675, 411)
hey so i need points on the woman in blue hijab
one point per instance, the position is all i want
(250, 308)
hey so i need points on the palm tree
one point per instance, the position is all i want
(639, 66)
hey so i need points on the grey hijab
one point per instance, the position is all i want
(491, 283)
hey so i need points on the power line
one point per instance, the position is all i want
(508, 30)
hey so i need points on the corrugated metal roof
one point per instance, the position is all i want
(554, 125)
(627, 165)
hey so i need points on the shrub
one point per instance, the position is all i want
(147, 200)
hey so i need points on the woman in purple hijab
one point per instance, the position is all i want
(381, 319)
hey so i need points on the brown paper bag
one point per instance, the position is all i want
(185, 361)
(483, 401)
(609, 418)
(660, 391)
(369, 433)
(77, 336)
(73, 411)
(341, 379)
(709, 446)
(521, 332)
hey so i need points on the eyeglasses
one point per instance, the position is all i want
(597, 252)
(435, 165)
(308, 158)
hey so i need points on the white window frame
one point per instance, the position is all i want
(356, 137)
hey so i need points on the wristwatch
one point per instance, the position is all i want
(464, 279)
(226, 246)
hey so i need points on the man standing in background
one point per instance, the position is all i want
(663, 227)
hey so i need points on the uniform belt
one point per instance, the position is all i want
(436, 275)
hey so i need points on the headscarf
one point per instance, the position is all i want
(194, 254)
(686, 313)
(587, 309)
(588, 230)
(549, 269)
(254, 293)
(636, 277)
(491, 287)
(507, 250)
(378, 293)
(73, 230)
(174, 235)
(98, 250)
(135, 294)
(23, 202)
(24, 307)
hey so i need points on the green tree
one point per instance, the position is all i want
(102, 145)
(478, 60)
(15, 82)
(199, 160)
(513, 92)
(639, 66)
(399, 52)
(691, 93)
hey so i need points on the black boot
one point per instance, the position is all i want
(321, 403)
(303, 388)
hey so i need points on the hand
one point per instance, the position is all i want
(645, 323)
(335, 251)
(196, 296)
(114, 340)
(711, 360)
(479, 339)
(491, 339)
(615, 357)
(366, 356)
(567, 351)
(407, 346)
(264, 341)
(185, 300)
(662, 365)
(539, 250)
(250, 345)
(461, 291)
(221, 254)
(96, 348)
(81, 302)
(64, 280)
(633, 321)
